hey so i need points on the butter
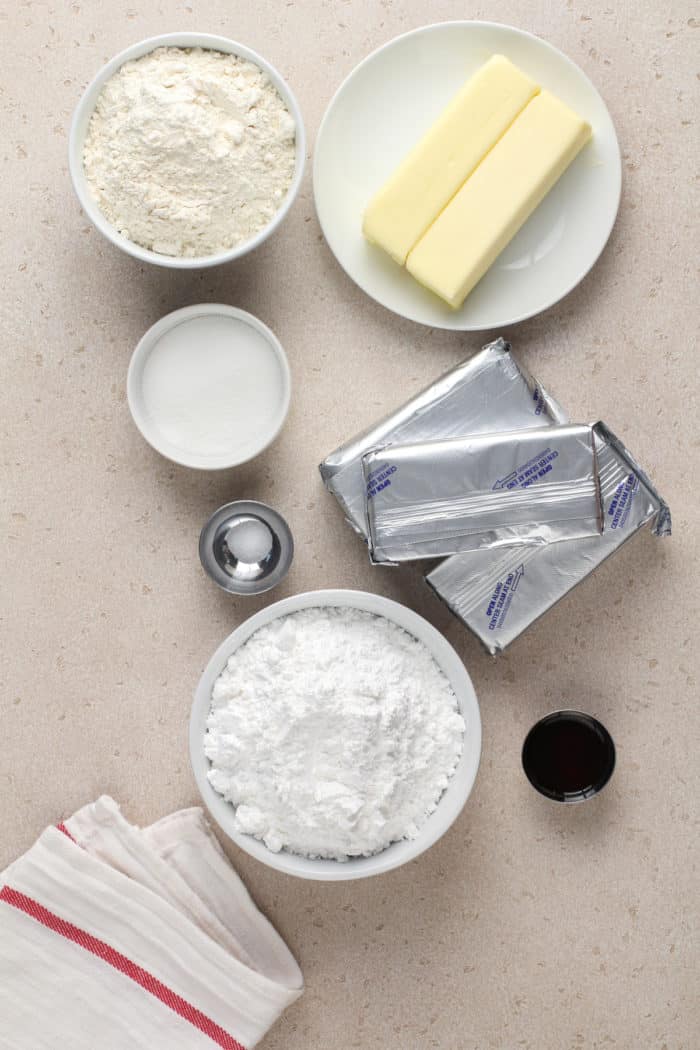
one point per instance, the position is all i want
(496, 200)
(448, 153)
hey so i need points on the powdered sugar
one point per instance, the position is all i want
(333, 732)
(189, 151)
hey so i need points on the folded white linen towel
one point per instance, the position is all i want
(114, 937)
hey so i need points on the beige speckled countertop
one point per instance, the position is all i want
(528, 927)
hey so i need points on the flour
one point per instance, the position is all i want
(189, 152)
(333, 732)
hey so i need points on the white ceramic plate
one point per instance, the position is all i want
(458, 788)
(387, 103)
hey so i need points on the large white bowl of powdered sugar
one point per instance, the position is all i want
(335, 735)
(187, 150)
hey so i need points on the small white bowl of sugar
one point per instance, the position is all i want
(187, 150)
(209, 386)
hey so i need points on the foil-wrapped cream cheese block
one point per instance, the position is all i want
(474, 493)
(488, 392)
(498, 593)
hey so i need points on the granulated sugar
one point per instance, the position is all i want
(333, 732)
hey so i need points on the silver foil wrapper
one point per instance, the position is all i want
(479, 492)
(498, 593)
(489, 392)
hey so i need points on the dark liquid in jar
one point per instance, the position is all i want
(568, 756)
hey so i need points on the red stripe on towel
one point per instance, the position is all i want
(62, 827)
(121, 963)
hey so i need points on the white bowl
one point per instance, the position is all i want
(448, 807)
(81, 120)
(252, 331)
(383, 107)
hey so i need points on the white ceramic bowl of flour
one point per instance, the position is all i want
(450, 803)
(209, 386)
(79, 130)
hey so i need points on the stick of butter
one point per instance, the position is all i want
(448, 153)
(496, 200)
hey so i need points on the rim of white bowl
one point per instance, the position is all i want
(81, 119)
(460, 784)
(149, 430)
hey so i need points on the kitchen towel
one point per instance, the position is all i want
(114, 937)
